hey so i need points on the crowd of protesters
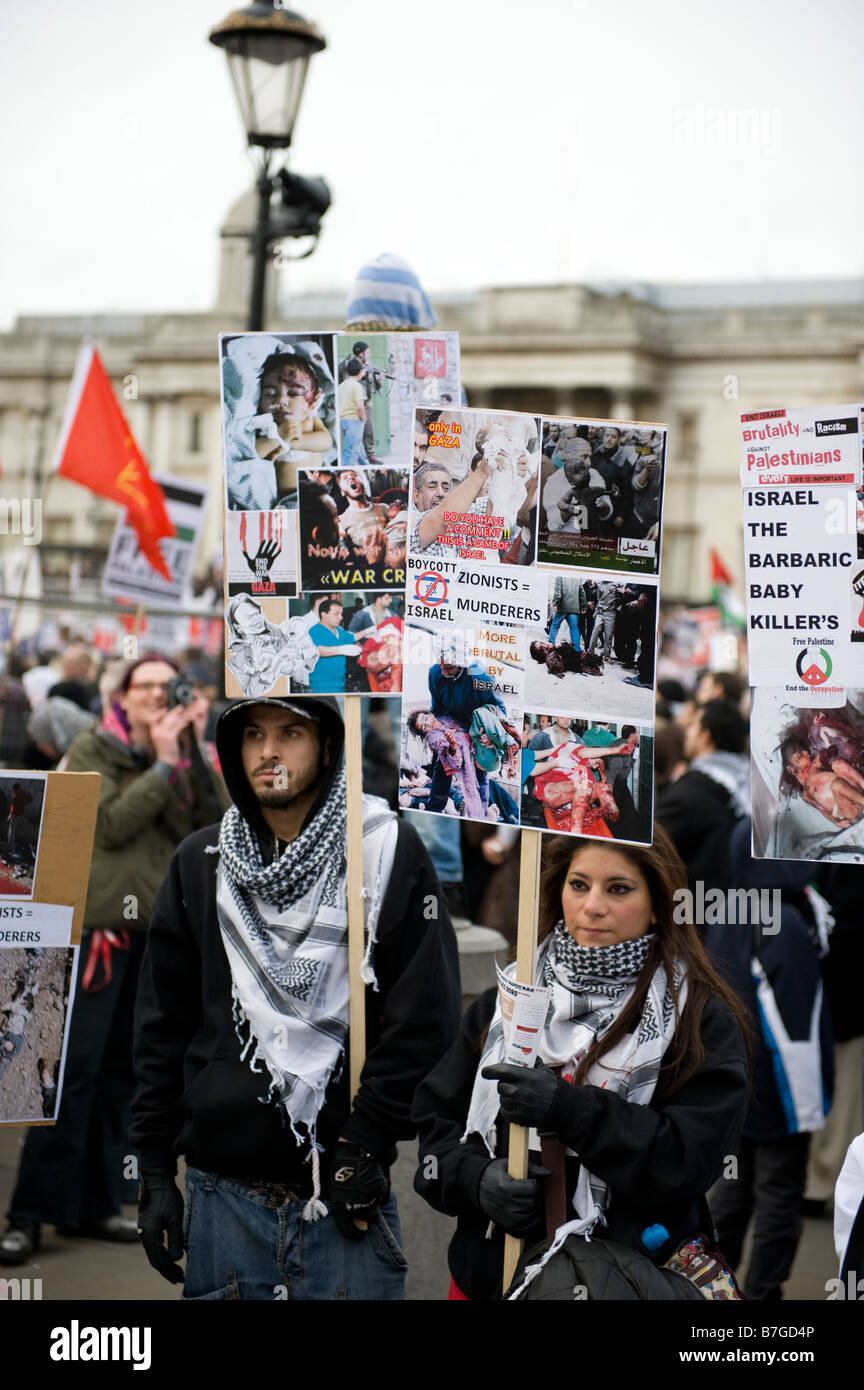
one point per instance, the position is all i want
(686, 1060)
(772, 991)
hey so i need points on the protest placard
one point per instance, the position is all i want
(49, 821)
(801, 473)
(128, 573)
(302, 531)
(527, 718)
(496, 642)
(797, 578)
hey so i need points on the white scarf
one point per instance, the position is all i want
(288, 953)
(590, 987)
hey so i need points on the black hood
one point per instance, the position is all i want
(229, 729)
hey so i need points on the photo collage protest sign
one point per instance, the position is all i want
(50, 820)
(801, 474)
(317, 431)
(515, 709)
(498, 571)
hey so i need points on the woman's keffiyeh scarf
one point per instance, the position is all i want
(284, 927)
(590, 986)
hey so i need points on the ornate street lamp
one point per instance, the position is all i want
(268, 50)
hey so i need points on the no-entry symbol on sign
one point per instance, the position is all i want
(430, 588)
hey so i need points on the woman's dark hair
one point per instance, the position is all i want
(674, 941)
(668, 751)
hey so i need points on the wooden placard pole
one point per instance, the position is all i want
(526, 968)
(356, 915)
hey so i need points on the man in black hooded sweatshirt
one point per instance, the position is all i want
(241, 1028)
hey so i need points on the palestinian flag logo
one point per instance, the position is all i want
(813, 670)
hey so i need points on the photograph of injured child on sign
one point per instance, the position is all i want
(596, 652)
(808, 779)
(460, 734)
(278, 414)
(587, 777)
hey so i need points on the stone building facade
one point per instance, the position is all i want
(691, 356)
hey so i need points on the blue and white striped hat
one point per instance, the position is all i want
(387, 294)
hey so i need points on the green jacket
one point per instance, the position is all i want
(569, 595)
(141, 820)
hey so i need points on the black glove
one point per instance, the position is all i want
(525, 1094)
(160, 1208)
(514, 1204)
(358, 1186)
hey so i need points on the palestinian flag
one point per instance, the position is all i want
(723, 593)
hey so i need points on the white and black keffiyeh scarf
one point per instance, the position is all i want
(284, 928)
(590, 986)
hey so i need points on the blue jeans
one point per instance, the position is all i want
(573, 625)
(352, 443)
(245, 1242)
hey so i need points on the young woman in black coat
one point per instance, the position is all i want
(642, 1073)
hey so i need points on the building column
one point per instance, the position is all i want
(622, 407)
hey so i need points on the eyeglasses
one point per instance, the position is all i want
(150, 685)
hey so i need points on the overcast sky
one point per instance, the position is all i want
(487, 141)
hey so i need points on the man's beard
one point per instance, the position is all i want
(278, 798)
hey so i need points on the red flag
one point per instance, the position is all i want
(719, 572)
(96, 449)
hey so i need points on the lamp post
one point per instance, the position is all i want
(268, 50)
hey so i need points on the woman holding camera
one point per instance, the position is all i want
(640, 1087)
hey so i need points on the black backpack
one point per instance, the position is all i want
(600, 1270)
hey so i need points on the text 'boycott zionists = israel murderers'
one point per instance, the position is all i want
(734, 906)
(76, 1343)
